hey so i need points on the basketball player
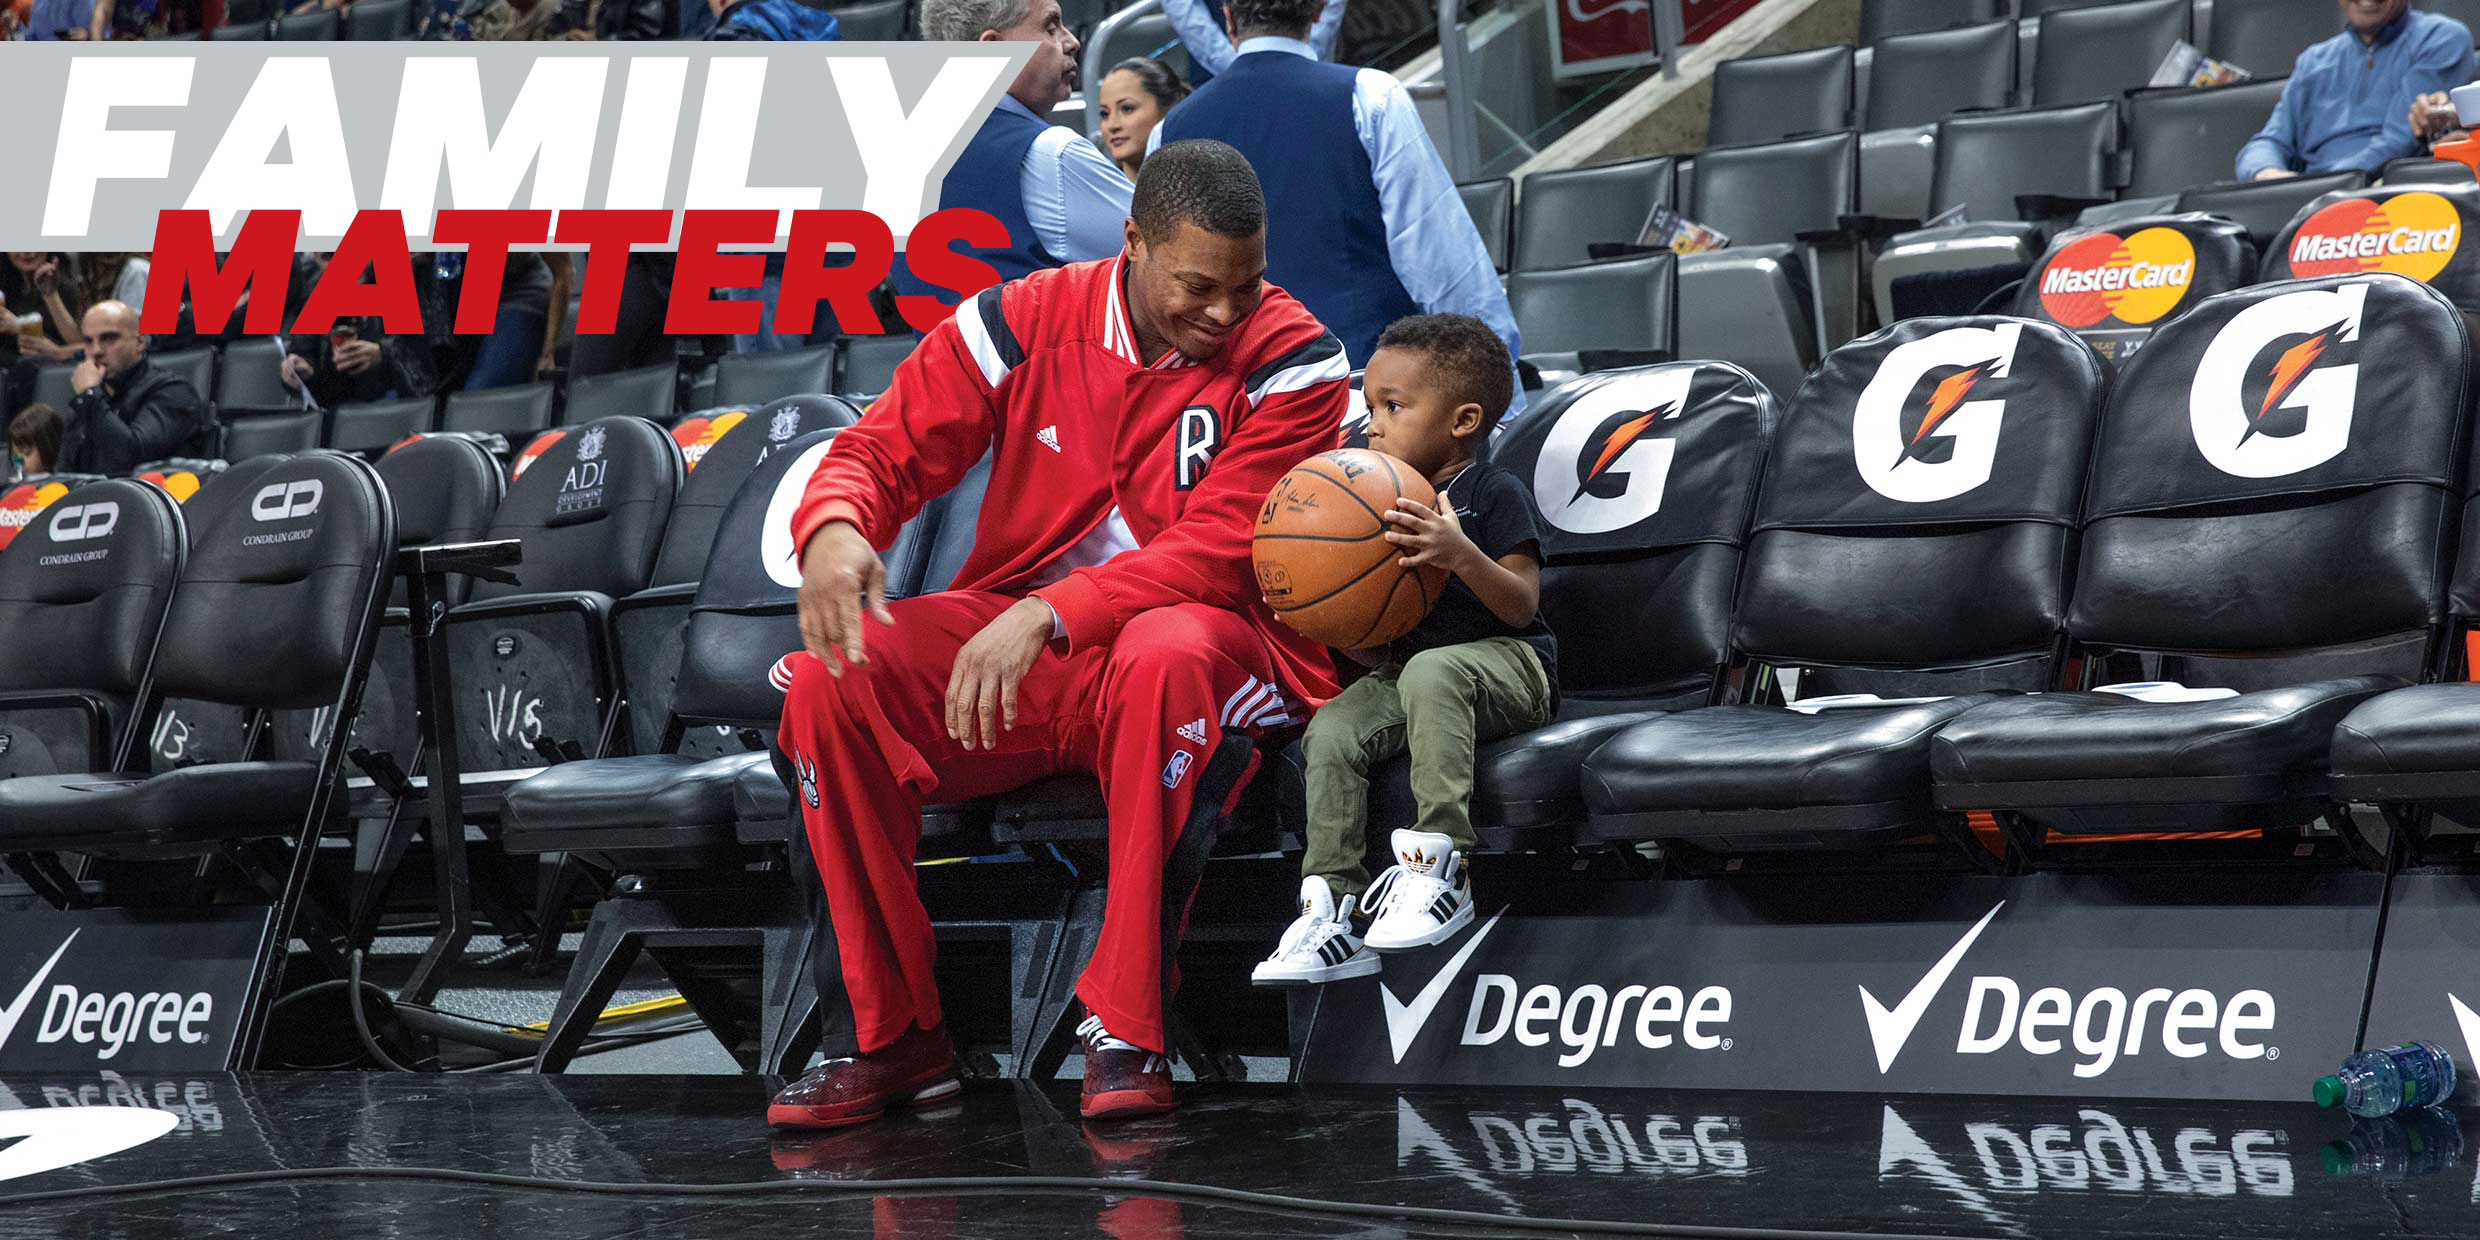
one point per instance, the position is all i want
(1136, 410)
(1480, 666)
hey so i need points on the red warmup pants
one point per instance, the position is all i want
(1145, 715)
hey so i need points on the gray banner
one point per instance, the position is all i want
(334, 127)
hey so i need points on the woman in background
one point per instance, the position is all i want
(1136, 94)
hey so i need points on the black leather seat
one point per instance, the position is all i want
(379, 20)
(82, 628)
(516, 411)
(2115, 286)
(250, 376)
(1984, 163)
(1756, 299)
(647, 392)
(1492, 205)
(2432, 206)
(1921, 78)
(2417, 746)
(2265, 37)
(375, 425)
(756, 378)
(274, 612)
(316, 24)
(1627, 306)
(1561, 213)
(267, 433)
(1881, 18)
(2179, 139)
(1641, 553)
(446, 489)
(2265, 208)
(868, 363)
(1916, 513)
(2104, 50)
(1767, 98)
(2329, 525)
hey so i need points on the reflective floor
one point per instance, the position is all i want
(1683, 1161)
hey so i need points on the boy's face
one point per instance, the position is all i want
(1413, 421)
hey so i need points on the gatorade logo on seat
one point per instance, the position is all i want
(2413, 235)
(2274, 392)
(2134, 280)
(1604, 466)
(781, 559)
(1926, 427)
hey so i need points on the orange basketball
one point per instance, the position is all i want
(1323, 560)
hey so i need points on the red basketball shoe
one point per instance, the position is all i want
(1121, 1078)
(916, 1067)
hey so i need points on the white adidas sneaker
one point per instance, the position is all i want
(1424, 898)
(1319, 946)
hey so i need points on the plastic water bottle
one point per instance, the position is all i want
(2377, 1083)
(2417, 1142)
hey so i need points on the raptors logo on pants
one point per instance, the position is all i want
(1164, 717)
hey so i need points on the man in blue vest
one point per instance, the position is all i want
(1363, 222)
(1062, 200)
(1205, 34)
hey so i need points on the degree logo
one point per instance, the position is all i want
(2413, 235)
(2136, 279)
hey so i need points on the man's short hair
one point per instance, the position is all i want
(1467, 360)
(1198, 181)
(1290, 18)
(963, 21)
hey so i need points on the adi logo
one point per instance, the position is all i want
(1604, 465)
(1926, 427)
(2275, 390)
(2136, 279)
(2413, 235)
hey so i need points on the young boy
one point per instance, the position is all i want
(1482, 665)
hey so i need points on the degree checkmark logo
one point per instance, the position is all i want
(1404, 1020)
(17, 1007)
(1889, 1028)
(67, 1136)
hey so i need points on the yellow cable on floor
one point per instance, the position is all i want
(616, 1012)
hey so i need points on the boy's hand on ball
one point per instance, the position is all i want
(1432, 538)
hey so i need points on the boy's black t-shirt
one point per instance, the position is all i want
(1497, 513)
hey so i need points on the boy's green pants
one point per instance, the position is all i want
(1438, 704)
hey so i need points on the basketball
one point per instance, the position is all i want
(1323, 560)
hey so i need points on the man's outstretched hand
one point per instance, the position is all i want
(841, 577)
(981, 688)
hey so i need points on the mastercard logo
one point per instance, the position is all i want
(696, 435)
(2134, 279)
(180, 484)
(2412, 235)
(19, 505)
(542, 443)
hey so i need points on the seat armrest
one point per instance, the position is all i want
(485, 560)
(592, 603)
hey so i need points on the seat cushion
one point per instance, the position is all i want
(1522, 784)
(2105, 736)
(655, 801)
(217, 801)
(2422, 729)
(1724, 758)
(1058, 809)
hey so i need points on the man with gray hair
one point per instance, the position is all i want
(126, 412)
(1061, 199)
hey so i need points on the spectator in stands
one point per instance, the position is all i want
(1479, 667)
(1365, 224)
(347, 365)
(35, 286)
(1206, 35)
(508, 355)
(126, 412)
(2349, 99)
(61, 19)
(783, 21)
(1060, 199)
(34, 441)
(1136, 94)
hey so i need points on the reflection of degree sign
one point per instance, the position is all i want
(2413, 235)
(775, 549)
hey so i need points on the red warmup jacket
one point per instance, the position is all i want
(1043, 373)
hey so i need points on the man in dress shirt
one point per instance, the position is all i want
(1363, 222)
(1062, 200)
(2348, 102)
(1207, 35)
